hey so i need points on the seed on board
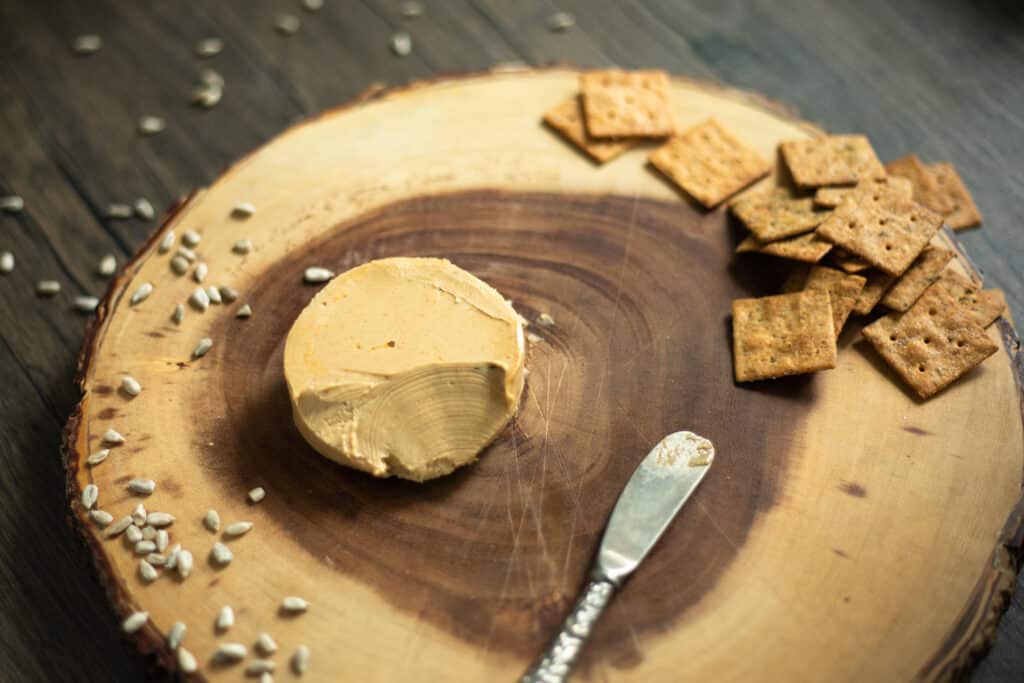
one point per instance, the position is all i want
(204, 345)
(145, 547)
(166, 243)
(244, 311)
(112, 436)
(172, 556)
(89, 496)
(12, 204)
(149, 534)
(107, 265)
(143, 209)
(229, 652)
(561, 22)
(98, 457)
(118, 211)
(257, 494)
(6, 262)
(102, 518)
(142, 293)
(199, 274)
(228, 294)
(411, 9)
(132, 535)
(184, 563)
(85, 304)
(207, 95)
(118, 527)
(156, 559)
(186, 661)
(312, 5)
(179, 264)
(209, 47)
(162, 540)
(130, 385)
(176, 634)
(225, 618)
(294, 604)
(265, 644)
(213, 294)
(159, 519)
(242, 246)
(190, 238)
(266, 678)
(211, 77)
(212, 520)
(286, 24)
(300, 660)
(139, 515)
(87, 44)
(147, 571)
(151, 125)
(243, 210)
(200, 300)
(142, 487)
(134, 622)
(259, 666)
(237, 529)
(316, 275)
(221, 554)
(178, 315)
(401, 43)
(47, 287)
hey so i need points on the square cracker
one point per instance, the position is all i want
(889, 186)
(847, 261)
(772, 217)
(926, 190)
(889, 236)
(786, 334)
(874, 289)
(627, 104)
(567, 119)
(964, 212)
(984, 305)
(843, 290)
(831, 160)
(807, 248)
(919, 277)
(709, 163)
(932, 344)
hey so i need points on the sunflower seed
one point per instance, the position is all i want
(266, 678)
(149, 533)
(259, 666)
(156, 559)
(411, 10)
(151, 125)
(244, 311)
(143, 209)
(237, 529)
(212, 521)
(179, 264)
(132, 535)
(190, 238)
(143, 487)
(12, 204)
(112, 436)
(102, 518)
(118, 527)
(211, 77)
(119, 211)
(160, 519)
(107, 266)
(139, 515)
(207, 96)
(316, 275)
(204, 345)
(265, 644)
(85, 304)
(89, 496)
(178, 315)
(401, 43)
(534, 338)
(187, 254)
(176, 634)
(145, 547)
(257, 494)
(300, 660)
(560, 22)
(142, 293)
(98, 457)
(200, 300)
(186, 661)
(286, 24)
(87, 44)
(294, 604)
(6, 261)
(209, 47)
(225, 618)
(172, 556)
(162, 539)
(228, 294)
(199, 274)
(134, 622)
(221, 554)
(545, 320)
(243, 246)
(147, 571)
(312, 5)
(47, 287)
(229, 652)
(166, 243)
(213, 294)
(243, 210)
(130, 385)
(184, 562)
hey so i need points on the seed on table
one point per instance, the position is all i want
(147, 571)
(245, 311)
(228, 294)
(401, 44)
(207, 96)
(221, 554)
(98, 457)
(142, 293)
(186, 254)
(294, 604)
(286, 24)
(561, 22)
(179, 264)
(102, 518)
(200, 300)
(166, 243)
(213, 294)
(209, 47)
(139, 515)
(211, 77)
(411, 9)
(156, 559)
(12, 204)
(265, 644)
(134, 622)
(118, 210)
(176, 634)
(145, 547)
(225, 618)
(107, 265)
(87, 44)
(143, 209)
(257, 494)
(259, 666)
(47, 287)
(159, 519)
(300, 660)
(243, 246)
(112, 436)
(266, 678)
(118, 527)
(162, 539)
(186, 661)
(149, 533)
(229, 652)
(190, 238)
(237, 529)
(178, 315)
(199, 274)
(142, 487)
(212, 521)
(89, 496)
(85, 304)
(312, 5)
(6, 262)
(184, 563)
(133, 535)
(243, 210)
(130, 386)
(151, 125)
(315, 275)
(204, 345)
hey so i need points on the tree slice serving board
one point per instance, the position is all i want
(846, 531)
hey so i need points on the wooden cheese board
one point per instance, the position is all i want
(847, 531)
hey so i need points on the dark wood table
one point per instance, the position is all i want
(943, 78)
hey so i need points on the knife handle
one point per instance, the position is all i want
(554, 665)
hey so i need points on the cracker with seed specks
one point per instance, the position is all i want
(847, 262)
(709, 163)
(807, 248)
(877, 285)
(926, 189)
(567, 119)
(919, 277)
(627, 104)
(931, 345)
(831, 160)
(889, 237)
(786, 334)
(964, 212)
(888, 187)
(843, 290)
(772, 217)
(984, 305)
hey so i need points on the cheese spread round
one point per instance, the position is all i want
(405, 367)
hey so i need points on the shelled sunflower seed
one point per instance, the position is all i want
(259, 666)
(179, 264)
(257, 494)
(294, 604)
(242, 246)
(163, 538)
(213, 294)
(237, 529)
(134, 622)
(211, 520)
(142, 293)
(149, 533)
(119, 211)
(244, 311)
(142, 487)
(47, 287)
(315, 275)
(107, 266)
(209, 47)
(85, 304)
(225, 618)
(184, 563)
(132, 535)
(178, 315)
(6, 262)
(411, 9)
(118, 527)
(12, 204)
(147, 571)
(176, 634)
(208, 92)
(143, 209)
(145, 547)
(159, 519)
(266, 645)
(204, 345)
(243, 210)
(187, 661)
(186, 254)
(102, 518)
(228, 294)
(199, 274)
(312, 5)
(560, 22)
(113, 437)
(166, 243)
(300, 660)
(90, 494)
(87, 44)
(130, 386)
(156, 559)
(98, 457)
(221, 554)
(200, 300)
(151, 125)
(191, 238)
(401, 44)
(286, 24)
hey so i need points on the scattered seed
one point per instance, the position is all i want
(184, 563)
(221, 554)
(179, 264)
(145, 547)
(228, 294)
(149, 534)
(244, 311)
(545, 320)
(266, 678)
(87, 44)
(143, 209)
(166, 243)
(212, 521)
(200, 300)
(160, 519)
(147, 571)
(243, 210)
(132, 535)
(47, 287)
(257, 494)
(89, 496)
(156, 559)
(207, 96)
(315, 275)
(294, 604)
(209, 47)
(401, 44)
(229, 652)
(119, 211)
(243, 246)
(98, 457)
(118, 527)
(204, 345)
(300, 660)
(151, 125)
(186, 661)
(411, 10)
(176, 634)
(12, 204)
(534, 338)
(6, 261)
(225, 618)
(213, 294)
(259, 666)
(139, 515)
(211, 77)
(130, 385)
(112, 436)
(187, 254)
(286, 24)
(162, 539)
(560, 22)
(178, 315)
(237, 529)
(312, 5)
(265, 644)
(142, 293)
(142, 487)
(102, 518)
(191, 238)
(134, 622)
(85, 304)
(199, 274)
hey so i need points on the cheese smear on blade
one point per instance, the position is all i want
(405, 367)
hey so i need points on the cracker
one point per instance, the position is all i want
(931, 345)
(919, 277)
(847, 261)
(926, 189)
(964, 212)
(567, 119)
(772, 217)
(843, 290)
(627, 104)
(786, 334)
(831, 160)
(984, 305)
(808, 248)
(888, 236)
(830, 197)
(888, 186)
(709, 163)
(874, 289)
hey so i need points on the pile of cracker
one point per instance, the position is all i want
(862, 236)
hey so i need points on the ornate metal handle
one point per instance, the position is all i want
(554, 665)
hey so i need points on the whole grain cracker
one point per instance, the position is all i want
(843, 290)
(567, 120)
(627, 103)
(807, 248)
(847, 261)
(786, 334)
(926, 189)
(831, 160)
(964, 212)
(877, 285)
(932, 344)
(984, 305)
(925, 270)
(885, 187)
(772, 217)
(709, 163)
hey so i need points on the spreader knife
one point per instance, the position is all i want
(650, 501)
